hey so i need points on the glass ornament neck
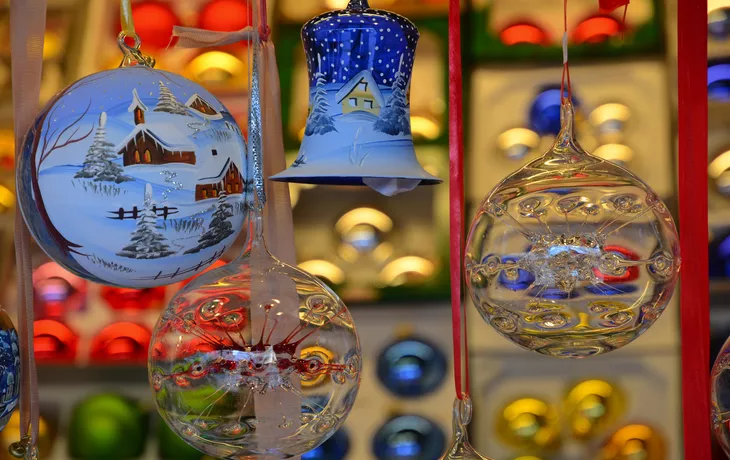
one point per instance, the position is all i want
(566, 141)
(256, 242)
(357, 5)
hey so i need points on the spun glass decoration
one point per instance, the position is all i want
(460, 448)
(572, 255)
(720, 386)
(256, 358)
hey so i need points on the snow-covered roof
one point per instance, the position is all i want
(212, 167)
(136, 102)
(220, 174)
(166, 134)
(192, 99)
(350, 85)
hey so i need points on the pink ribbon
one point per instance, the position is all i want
(190, 37)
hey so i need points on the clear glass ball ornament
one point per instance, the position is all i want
(256, 359)
(572, 255)
(720, 385)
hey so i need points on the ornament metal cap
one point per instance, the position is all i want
(358, 131)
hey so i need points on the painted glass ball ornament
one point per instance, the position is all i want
(256, 359)
(134, 177)
(572, 255)
(9, 369)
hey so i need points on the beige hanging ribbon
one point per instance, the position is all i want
(278, 212)
(190, 37)
(278, 413)
(27, 27)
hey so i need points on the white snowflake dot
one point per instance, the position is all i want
(388, 29)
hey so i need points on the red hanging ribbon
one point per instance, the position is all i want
(456, 198)
(609, 6)
(693, 217)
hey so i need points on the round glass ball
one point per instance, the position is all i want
(133, 177)
(720, 391)
(256, 358)
(572, 255)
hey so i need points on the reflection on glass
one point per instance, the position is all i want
(591, 406)
(718, 82)
(529, 423)
(718, 23)
(634, 442)
(335, 448)
(409, 437)
(412, 367)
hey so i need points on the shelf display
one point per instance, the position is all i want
(127, 342)
(572, 256)
(155, 165)
(57, 291)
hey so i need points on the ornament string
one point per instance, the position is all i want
(27, 27)
(566, 65)
(456, 200)
(132, 54)
(693, 219)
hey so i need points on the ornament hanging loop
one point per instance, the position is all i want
(132, 54)
(24, 449)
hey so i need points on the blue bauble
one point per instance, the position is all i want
(9, 369)
(134, 177)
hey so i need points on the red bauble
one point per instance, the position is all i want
(224, 15)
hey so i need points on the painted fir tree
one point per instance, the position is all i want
(99, 162)
(220, 227)
(167, 102)
(394, 117)
(147, 241)
(319, 121)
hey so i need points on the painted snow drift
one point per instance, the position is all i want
(9, 369)
(360, 63)
(134, 177)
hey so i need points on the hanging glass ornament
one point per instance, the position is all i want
(10, 369)
(255, 358)
(720, 381)
(133, 177)
(460, 448)
(571, 255)
(359, 129)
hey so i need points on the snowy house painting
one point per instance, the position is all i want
(114, 174)
(155, 144)
(361, 93)
(229, 179)
(203, 107)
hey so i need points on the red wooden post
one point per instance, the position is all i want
(693, 212)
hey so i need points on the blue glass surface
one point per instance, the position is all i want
(545, 111)
(718, 82)
(718, 24)
(523, 280)
(412, 367)
(9, 369)
(611, 289)
(335, 448)
(409, 437)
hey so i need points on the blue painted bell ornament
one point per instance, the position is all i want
(358, 130)
(133, 177)
(9, 369)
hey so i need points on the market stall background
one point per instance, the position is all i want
(387, 258)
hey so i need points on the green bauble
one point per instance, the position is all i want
(172, 447)
(107, 426)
